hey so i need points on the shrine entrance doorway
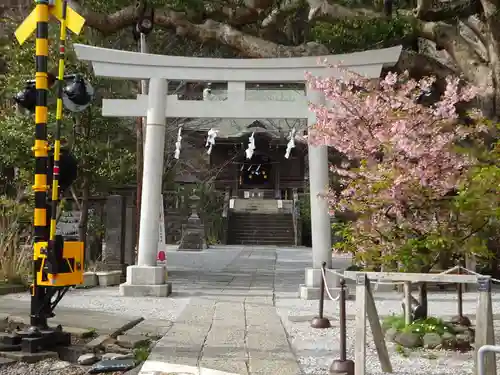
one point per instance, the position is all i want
(256, 173)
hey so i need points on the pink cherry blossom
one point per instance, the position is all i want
(406, 149)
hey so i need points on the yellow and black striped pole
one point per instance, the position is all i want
(59, 115)
(41, 148)
(57, 136)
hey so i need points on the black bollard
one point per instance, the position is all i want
(320, 321)
(460, 318)
(342, 365)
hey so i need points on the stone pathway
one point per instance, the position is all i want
(100, 321)
(231, 323)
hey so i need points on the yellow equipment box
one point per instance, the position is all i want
(71, 268)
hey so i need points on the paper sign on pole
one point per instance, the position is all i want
(68, 224)
(161, 259)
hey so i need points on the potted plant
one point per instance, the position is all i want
(90, 278)
(109, 278)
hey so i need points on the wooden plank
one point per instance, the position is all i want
(360, 343)
(415, 277)
(378, 335)
(485, 335)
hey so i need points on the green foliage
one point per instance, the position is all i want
(141, 353)
(104, 147)
(15, 239)
(394, 321)
(354, 35)
(420, 327)
(209, 207)
(429, 325)
(473, 216)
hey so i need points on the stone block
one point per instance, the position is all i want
(87, 359)
(90, 279)
(132, 341)
(80, 332)
(193, 239)
(277, 367)
(313, 278)
(11, 288)
(113, 356)
(72, 353)
(313, 293)
(99, 341)
(113, 252)
(109, 278)
(113, 348)
(145, 275)
(6, 362)
(130, 230)
(10, 338)
(29, 357)
(128, 290)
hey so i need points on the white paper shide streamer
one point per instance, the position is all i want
(251, 146)
(291, 144)
(212, 134)
(177, 153)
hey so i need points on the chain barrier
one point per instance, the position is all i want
(377, 283)
(323, 274)
(478, 274)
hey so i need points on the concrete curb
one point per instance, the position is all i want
(156, 368)
(11, 288)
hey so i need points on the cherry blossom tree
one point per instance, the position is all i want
(404, 165)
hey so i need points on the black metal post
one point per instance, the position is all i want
(460, 301)
(320, 321)
(460, 318)
(342, 365)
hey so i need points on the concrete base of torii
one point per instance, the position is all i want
(146, 281)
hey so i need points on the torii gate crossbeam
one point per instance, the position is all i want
(146, 278)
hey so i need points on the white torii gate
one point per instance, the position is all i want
(146, 278)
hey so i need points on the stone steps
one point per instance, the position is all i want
(261, 229)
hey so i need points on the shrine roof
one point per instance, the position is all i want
(234, 128)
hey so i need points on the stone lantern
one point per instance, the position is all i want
(193, 233)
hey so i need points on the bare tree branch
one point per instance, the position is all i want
(450, 10)
(209, 30)
(420, 65)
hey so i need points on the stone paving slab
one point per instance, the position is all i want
(231, 323)
(227, 365)
(272, 366)
(102, 322)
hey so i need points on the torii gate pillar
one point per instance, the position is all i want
(147, 279)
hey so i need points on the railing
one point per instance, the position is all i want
(225, 216)
(481, 354)
(296, 216)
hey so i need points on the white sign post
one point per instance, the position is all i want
(161, 259)
(68, 224)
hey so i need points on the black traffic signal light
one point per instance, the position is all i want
(68, 169)
(77, 94)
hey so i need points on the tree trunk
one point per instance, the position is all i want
(139, 161)
(84, 217)
(422, 290)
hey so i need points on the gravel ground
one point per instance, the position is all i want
(48, 367)
(109, 300)
(317, 348)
